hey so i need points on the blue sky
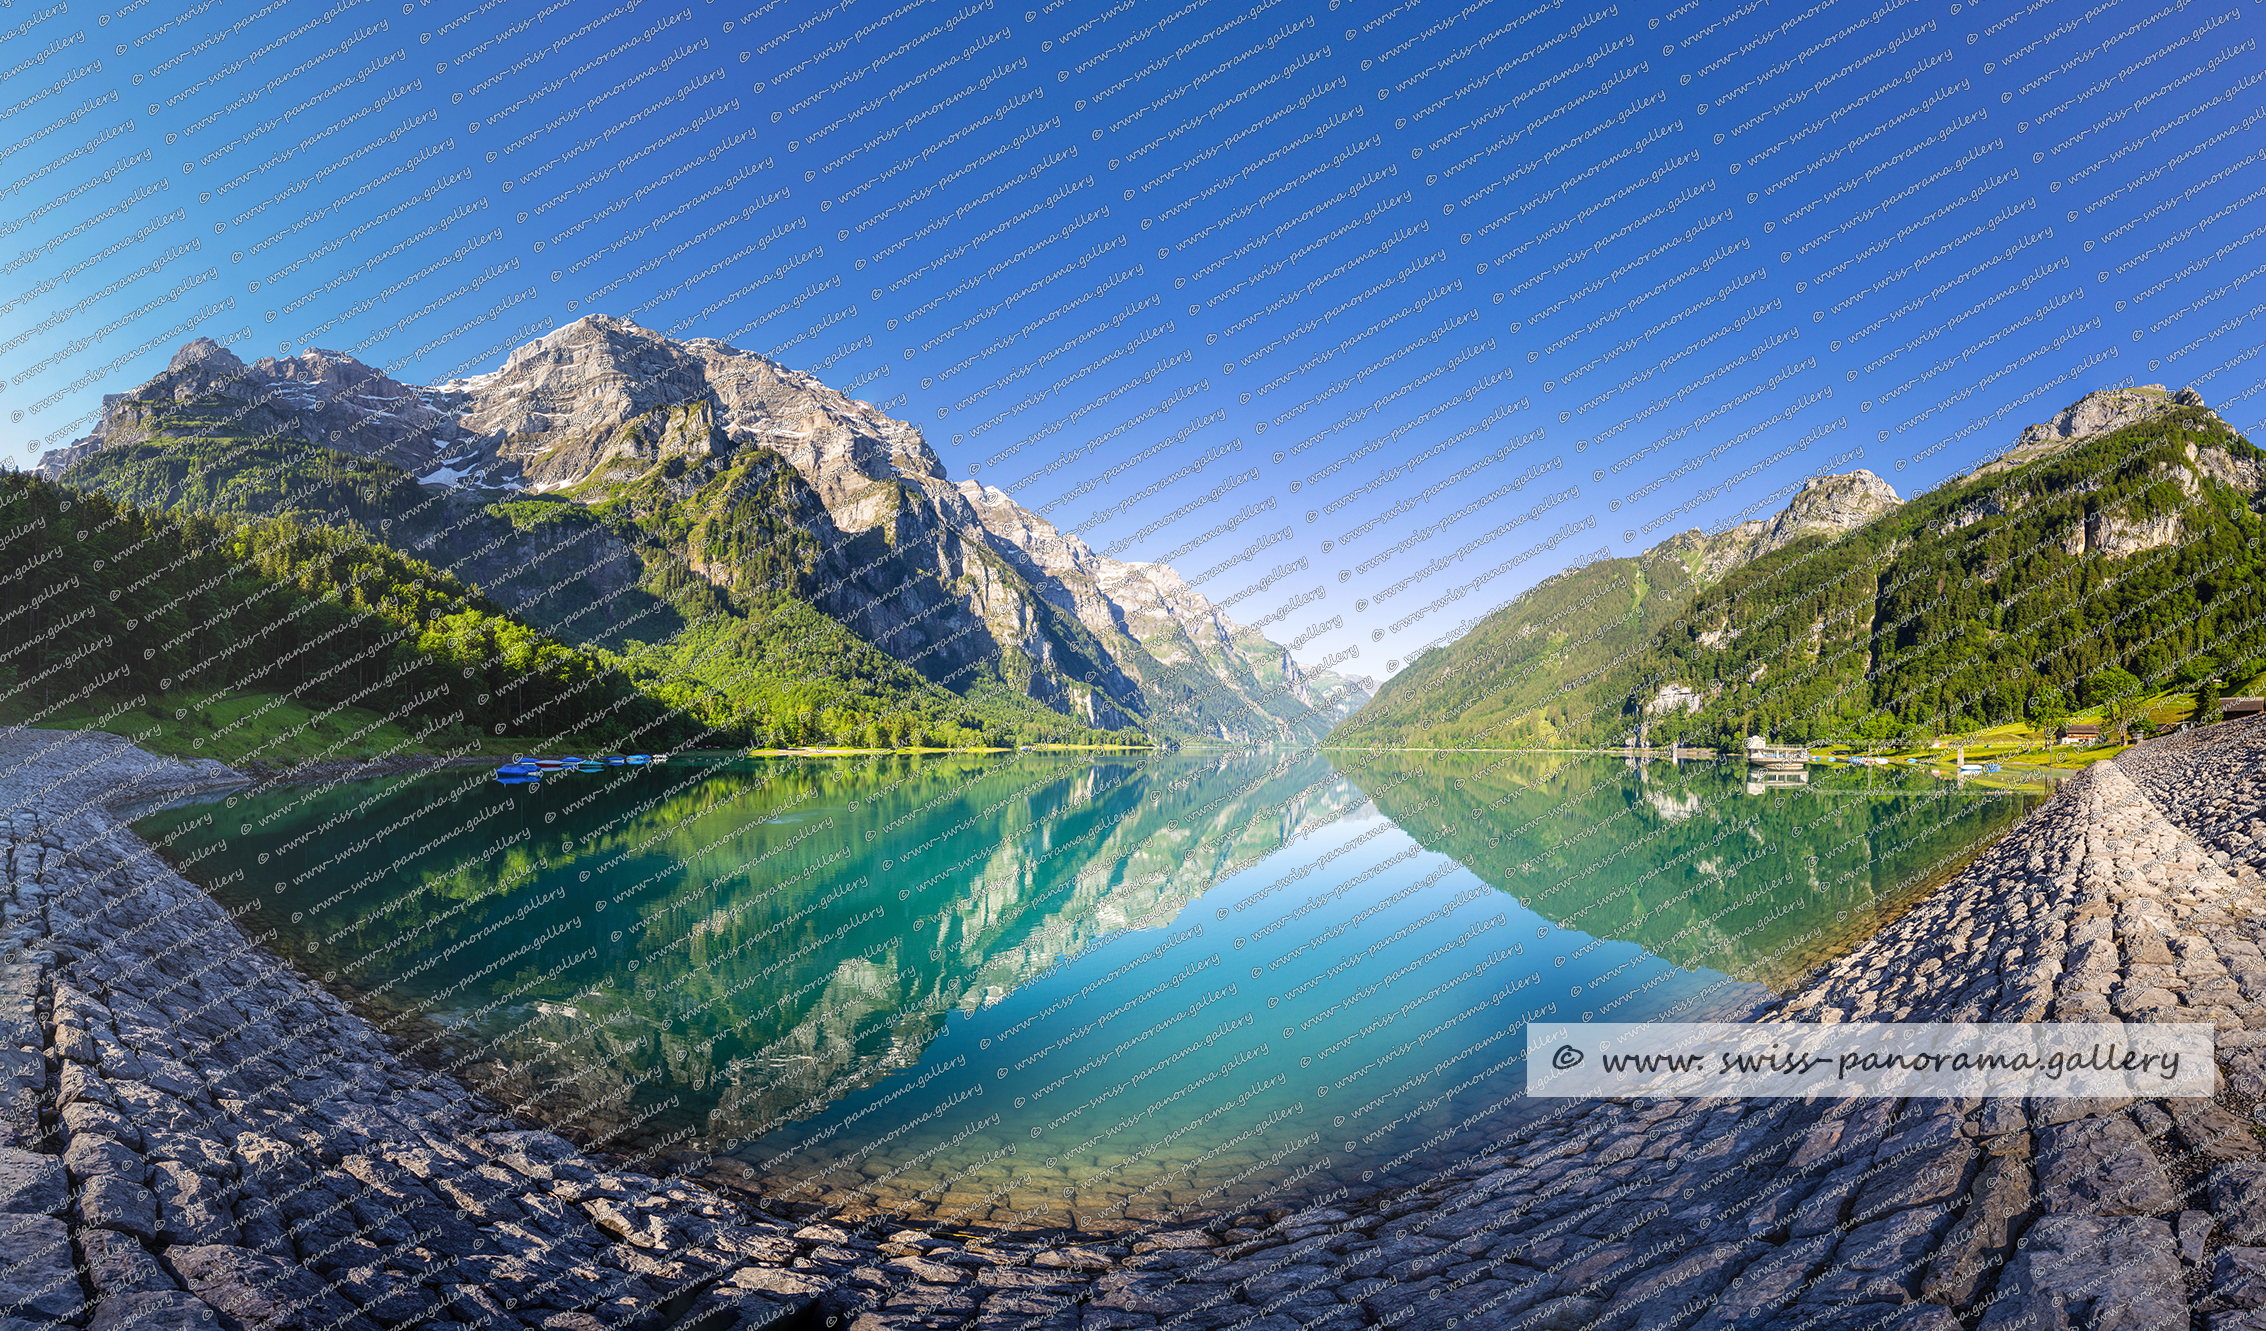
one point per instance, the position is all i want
(1456, 294)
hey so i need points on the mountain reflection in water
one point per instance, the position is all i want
(1051, 988)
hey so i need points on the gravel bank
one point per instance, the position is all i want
(186, 1125)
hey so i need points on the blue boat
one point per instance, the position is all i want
(615, 760)
(640, 758)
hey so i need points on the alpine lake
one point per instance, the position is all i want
(1036, 990)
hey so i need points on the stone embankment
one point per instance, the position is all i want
(191, 1135)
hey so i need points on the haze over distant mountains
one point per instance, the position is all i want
(605, 466)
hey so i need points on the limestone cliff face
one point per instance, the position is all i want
(605, 399)
(1826, 505)
(2114, 533)
(955, 578)
(2093, 414)
(318, 397)
(2112, 409)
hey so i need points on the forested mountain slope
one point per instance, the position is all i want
(2113, 551)
(117, 611)
(712, 513)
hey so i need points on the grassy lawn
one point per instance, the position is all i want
(2016, 743)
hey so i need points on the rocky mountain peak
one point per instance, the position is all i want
(1828, 504)
(947, 577)
(2108, 409)
(1141, 599)
(1040, 541)
(605, 398)
(202, 349)
(2096, 413)
(317, 396)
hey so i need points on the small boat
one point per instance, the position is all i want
(570, 760)
(1970, 767)
(550, 764)
(615, 760)
(1992, 767)
(640, 758)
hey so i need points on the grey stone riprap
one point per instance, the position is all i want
(225, 1136)
(192, 1135)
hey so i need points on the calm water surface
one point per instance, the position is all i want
(1035, 989)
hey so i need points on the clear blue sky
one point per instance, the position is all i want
(1518, 266)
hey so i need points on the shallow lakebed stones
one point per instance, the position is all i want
(192, 1135)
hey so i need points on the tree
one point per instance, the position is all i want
(2049, 707)
(2111, 685)
(2207, 703)
(2201, 670)
(1877, 730)
(2116, 692)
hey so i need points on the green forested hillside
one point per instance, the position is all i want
(1531, 673)
(262, 626)
(2125, 564)
(700, 580)
(114, 605)
(583, 586)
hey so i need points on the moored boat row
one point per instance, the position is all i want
(522, 771)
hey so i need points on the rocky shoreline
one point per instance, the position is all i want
(192, 1135)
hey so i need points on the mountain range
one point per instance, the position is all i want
(713, 516)
(2109, 553)
(787, 564)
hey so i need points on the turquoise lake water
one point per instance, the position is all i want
(1053, 988)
